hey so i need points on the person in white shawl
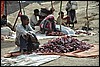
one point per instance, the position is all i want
(25, 35)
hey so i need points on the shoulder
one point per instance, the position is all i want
(19, 26)
(28, 25)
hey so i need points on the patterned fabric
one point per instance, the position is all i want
(46, 23)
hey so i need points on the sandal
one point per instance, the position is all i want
(8, 55)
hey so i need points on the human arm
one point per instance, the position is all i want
(30, 29)
(25, 32)
(61, 21)
(58, 20)
(21, 30)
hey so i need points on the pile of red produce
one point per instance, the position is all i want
(57, 33)
(63, 45)
(79, 32)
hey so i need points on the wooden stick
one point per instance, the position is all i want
(87, 17)
(17, 15)
(60, 14)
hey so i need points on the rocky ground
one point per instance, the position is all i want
(93, 11)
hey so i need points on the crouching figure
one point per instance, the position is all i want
(25, 36)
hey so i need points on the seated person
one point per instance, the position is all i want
(25, 36)
(34, 18)
(63, 20)
(48, 24)
(5, 22)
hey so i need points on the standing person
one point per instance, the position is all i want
(71, 7)
(34, 18)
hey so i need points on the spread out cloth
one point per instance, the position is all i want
(28, 60)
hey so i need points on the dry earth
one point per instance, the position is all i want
(93, 11)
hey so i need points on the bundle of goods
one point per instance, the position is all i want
(57, 33)
(82, 32)
(63, 45)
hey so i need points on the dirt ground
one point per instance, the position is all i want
(93, 11)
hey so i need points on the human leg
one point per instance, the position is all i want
(23, 43)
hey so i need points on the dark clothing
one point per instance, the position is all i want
(71, 11)
(72, 14)
(30, 44)
(3, 22)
